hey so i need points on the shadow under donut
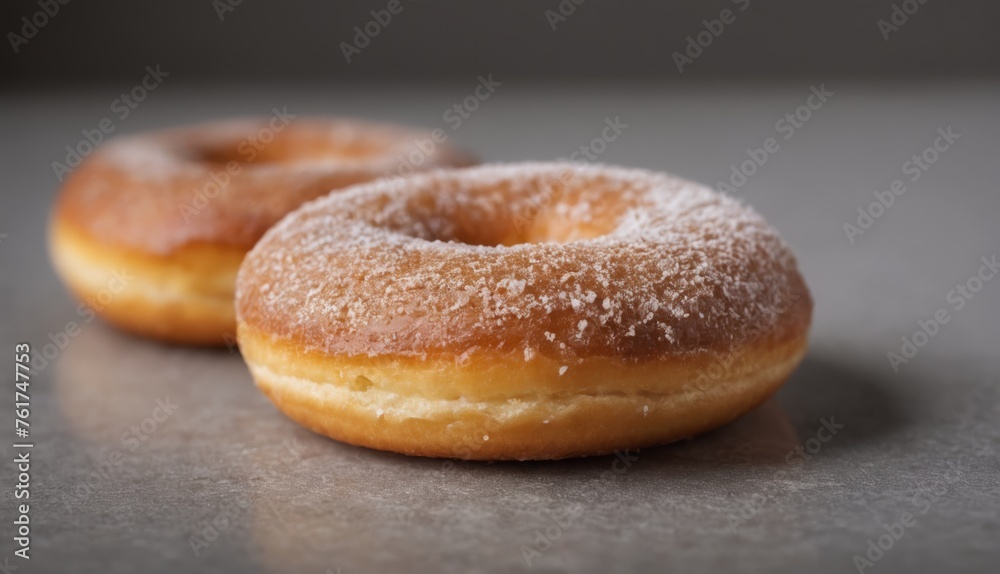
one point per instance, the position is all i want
(822, 405)
(865, 404)
(397, 495)
(821, 399)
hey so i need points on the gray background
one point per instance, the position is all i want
(90, 42)
(923, 438)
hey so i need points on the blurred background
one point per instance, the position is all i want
(854, 93)
(551, 41)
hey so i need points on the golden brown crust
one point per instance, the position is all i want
(179, 209)
(628, 309)
(184, 297)
(494, 407)
(159, 191)
(611, 262)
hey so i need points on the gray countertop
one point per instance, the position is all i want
(225, 483)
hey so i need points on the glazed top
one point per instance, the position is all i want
(563, 260)
(228, 182)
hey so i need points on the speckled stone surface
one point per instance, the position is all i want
(225, 483)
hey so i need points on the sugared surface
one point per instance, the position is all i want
(227, 182)
(562, 260)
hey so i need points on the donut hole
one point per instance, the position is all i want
(537, 211)
(285, 148)
(495, 235)
(518, 227)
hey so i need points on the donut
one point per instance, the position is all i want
(523, 311)
(149, 231)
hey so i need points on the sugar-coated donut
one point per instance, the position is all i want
(150, 230)
(525, 311)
